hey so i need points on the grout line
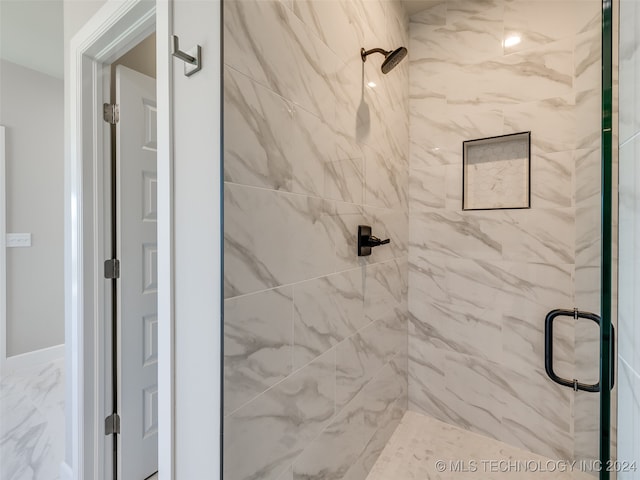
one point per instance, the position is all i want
(293, 330)
(630, 139)
(337, 201)
(298, 370)
(293, 373)
(270, 90)
(335, 383)
(333, 273)
(295, 104)
(629, 367)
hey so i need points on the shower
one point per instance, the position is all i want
(392, 57)
(440, 328)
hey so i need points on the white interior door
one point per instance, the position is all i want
(137, 331)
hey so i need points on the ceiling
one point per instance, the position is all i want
(31, 34)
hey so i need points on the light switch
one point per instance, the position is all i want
(18, 240)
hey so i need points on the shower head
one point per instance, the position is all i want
(391, 57)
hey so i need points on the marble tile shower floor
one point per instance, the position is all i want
(423, 448)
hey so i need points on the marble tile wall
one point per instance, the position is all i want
(629, 245)
(315, 143)
(32, 422)
(481, 282)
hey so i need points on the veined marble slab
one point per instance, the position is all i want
(32, 422)
(420, 443)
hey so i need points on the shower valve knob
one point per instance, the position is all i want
(366, 241)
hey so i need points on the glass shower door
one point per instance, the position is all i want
(607, 358)
(592, 332)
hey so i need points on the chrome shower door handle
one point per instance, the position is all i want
(548, 349)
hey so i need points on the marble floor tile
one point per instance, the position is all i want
(423, 448)
(32, 422)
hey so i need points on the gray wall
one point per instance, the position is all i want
(481, 282)
(31, 110)
(315, 337)
(629, 284)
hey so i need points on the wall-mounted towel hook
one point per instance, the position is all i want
(192, 64)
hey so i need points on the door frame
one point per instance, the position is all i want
(112, 31)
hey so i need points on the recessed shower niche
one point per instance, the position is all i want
(496, 172)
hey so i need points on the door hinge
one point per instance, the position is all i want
(112, 424)
(112, 269)
(111, 113)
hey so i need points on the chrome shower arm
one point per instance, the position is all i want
(364, 53)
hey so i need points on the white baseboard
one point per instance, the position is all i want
(32, 359)
(65, 472)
